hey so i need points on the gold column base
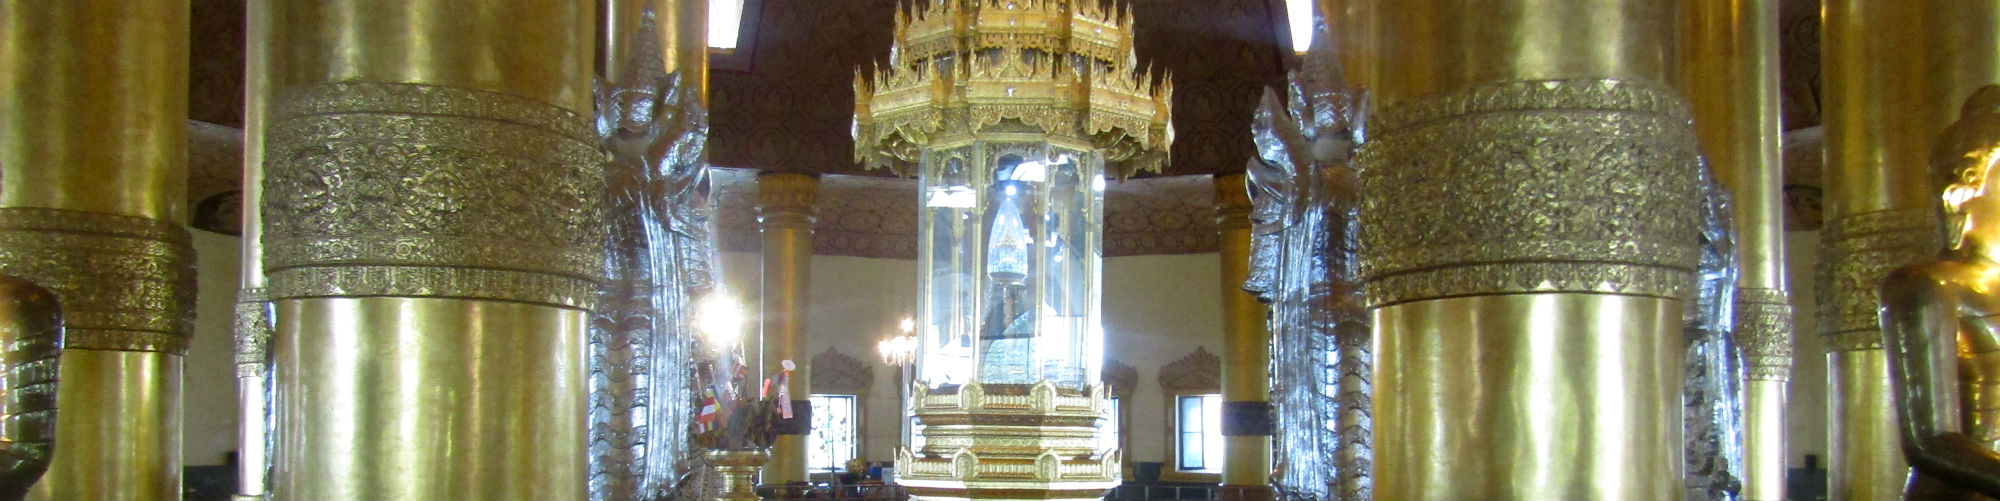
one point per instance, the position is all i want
(1866, 448)
(1529, 396)
(1009, 441)
(1764, 436)
(119, 428)
(739, 473)
(388, 398)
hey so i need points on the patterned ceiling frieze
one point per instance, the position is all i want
(876, 217)
(1221, 55)
(794, 110)
(1799, 63)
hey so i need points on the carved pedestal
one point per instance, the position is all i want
(1009, 441)
(739, 473)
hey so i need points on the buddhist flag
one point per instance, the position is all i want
(706, 419)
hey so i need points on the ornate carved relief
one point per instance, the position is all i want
(125, 283)
(428, 191)
(1198, 372)
(1582, 185)
(836, 373)
(1120, 379)
(1857, 251)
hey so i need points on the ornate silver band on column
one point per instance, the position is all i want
(1585, 185)
(1859, 250)
(126, 283)
(1764, 330)
(381, 189)
(253, 332)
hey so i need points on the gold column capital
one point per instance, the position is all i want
(1232, 201)
(786, 200)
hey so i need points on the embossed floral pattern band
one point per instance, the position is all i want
(377, 189)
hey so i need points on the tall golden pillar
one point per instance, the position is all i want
(1894, 74)
(252, 324)
(93, 110)
(1729, 69)
(432, 233)
(785, 215)
(1529, 221)
(1246, 354)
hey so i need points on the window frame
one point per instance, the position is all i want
(1197, 374)
(856, 430)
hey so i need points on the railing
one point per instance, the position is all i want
(849, 492)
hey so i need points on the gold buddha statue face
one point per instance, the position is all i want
(1963, 161)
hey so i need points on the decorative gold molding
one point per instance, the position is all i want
(428, 191)
(787, 200)
(1857, 251)
(1198, 372)
(253, 332)
(1010, 437)
(1764, 330)
(1584, 185)
(126, 283)
(836, 373)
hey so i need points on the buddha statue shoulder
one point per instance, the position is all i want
(31, 332)
(1941, 322)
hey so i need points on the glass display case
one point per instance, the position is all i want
(1010, 249)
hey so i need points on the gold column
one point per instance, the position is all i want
(252, 324)
(1729, 69)
(1895, 73)
(1246, 354)
(432, 234)
(93, 175)
(1529, 221)
(683, 34)
(785, 215)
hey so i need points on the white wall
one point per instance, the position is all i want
(1156, 308)
(208, 383)
(1805, 409)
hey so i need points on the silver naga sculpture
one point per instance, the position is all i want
(657, 256)
(1303, 229)
(1712, 393)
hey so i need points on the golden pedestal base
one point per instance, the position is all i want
(1009, 441)
(739, 473)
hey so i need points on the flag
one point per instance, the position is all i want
(706, 419)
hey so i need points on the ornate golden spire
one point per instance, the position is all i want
(960, 68)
